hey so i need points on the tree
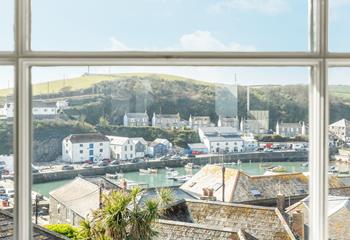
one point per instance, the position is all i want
(124, 217)
(64, 229)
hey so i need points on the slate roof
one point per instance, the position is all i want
(341, 123)
(87, 137)
(290, 125)
(116, 140)
(136, 115)
(240, 187)
(80, 195)
(192, 219)
(39, 233)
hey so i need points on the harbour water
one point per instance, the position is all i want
(160, 180)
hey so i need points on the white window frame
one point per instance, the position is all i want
(318, 59)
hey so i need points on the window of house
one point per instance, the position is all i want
(219, 40)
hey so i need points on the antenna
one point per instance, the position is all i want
(236, 97)
(248, 100)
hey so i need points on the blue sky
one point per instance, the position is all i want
(169, 25)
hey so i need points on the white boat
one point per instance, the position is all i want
(114, 175)
(169, 169)
(182, 179)
(148, 171)
(172, 175)
(191, 166)
(239, 161)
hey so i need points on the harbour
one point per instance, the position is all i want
(159, 179)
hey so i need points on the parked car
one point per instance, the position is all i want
(102, 164)
(89, 161)
(86, 165)
(115, 162)
(67, 167)
(35, 169)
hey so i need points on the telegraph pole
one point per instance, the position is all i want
(223, 183)
(100, 195)
(36, 208)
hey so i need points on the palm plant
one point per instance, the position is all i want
(124, 217)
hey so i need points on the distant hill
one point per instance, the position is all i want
(93, 96)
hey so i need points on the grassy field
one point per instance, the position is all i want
(87, 81)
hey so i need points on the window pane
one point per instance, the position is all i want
(339, 178)
(158, 25)
(7, 186)
(192, 120)
(7, 25)
(339, 20)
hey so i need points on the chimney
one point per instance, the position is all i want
(298, 224)
(205, 192)
(210, 192)
(280, 202)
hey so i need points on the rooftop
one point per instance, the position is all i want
(136, 115)
(240, 187)
(80, 195)
(87, 137)
(195, 219)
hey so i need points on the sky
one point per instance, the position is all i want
(175, 25)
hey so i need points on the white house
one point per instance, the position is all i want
(221, 139)
(250, 143)
(228, 122)
(340, 129)
(166, 120)
(136, 119)
(40, 109)
(82, 147)
(256, 123)
(199, 121)
(291, 129)
(125, 148)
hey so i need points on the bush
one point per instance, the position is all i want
(64, 229)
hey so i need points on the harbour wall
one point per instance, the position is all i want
(200, 160)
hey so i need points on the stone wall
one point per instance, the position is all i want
(244, 157)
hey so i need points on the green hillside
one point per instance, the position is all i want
(86, 81)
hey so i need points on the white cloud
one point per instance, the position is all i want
(116, 45)
(205, 41)
(266, 6)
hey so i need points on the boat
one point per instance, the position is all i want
(182, 179)
(172, 175)
(148, 171)
(169, 169)
(129, 184)
(191, 166)
(265, 165)
(278, 169)
(114, 175)
(239, 161)
(305, 164)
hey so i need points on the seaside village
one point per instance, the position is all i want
(211, 201)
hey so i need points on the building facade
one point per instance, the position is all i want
(124, 148)
(40, 110)
(221, 139)
(291, 129)
(340, 130)
(228, 122)
(256, 123)
(78, 148)
(196, 122)
(166, 121)
(136, 119)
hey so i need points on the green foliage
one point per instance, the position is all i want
(124, 217)
(64, 229)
